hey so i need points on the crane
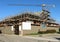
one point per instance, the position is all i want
(45, 13)
(44, 6)
(45, 9)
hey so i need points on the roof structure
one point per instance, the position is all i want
(44, 15)
(38, 15)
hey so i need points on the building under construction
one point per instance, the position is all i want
(19, 24)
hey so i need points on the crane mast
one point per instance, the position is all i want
(45, 13)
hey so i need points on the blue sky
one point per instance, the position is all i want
(6, 10)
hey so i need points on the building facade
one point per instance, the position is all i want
(14, 25)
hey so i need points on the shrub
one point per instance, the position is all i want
(41, 32)
(48, 31)
(51, 31)
(59, 31)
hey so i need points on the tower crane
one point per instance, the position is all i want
(44, 15)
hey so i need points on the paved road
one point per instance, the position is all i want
(14, 38)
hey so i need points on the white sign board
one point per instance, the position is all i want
(26, 25)
(19, 28)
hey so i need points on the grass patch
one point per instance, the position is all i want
(33, 34)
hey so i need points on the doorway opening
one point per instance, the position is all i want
(16, 31)
(0, 32)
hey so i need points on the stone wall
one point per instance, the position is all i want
(6, 30)
(49, 28)
(34, 29)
